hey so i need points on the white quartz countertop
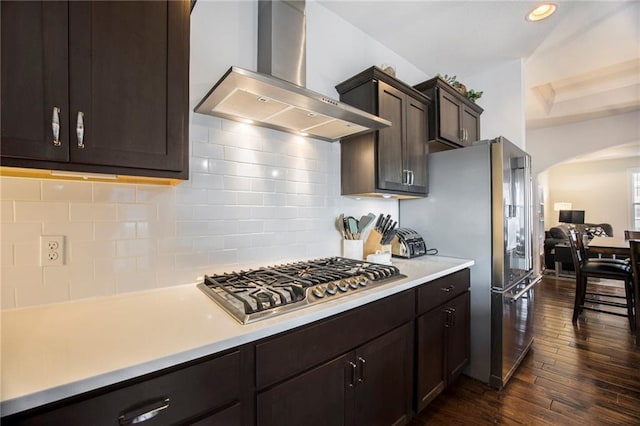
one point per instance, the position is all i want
(55, 351)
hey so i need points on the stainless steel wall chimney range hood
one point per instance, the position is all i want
(275, 96)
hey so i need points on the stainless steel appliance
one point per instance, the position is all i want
(275, 96)
(480, 207)
(408, 243)
(260, 293)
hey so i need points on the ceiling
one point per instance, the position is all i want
(581, 63)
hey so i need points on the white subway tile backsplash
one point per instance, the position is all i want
(6, 214)
(175, 245)
(63, 190)
(129, 248)
(193, 260)
(73, 231)
(207, 150)
(250, 199)
(135, 281)
(88, 212)
(159, 262)
(6, 254)
(8, 295)
(208, 243)
(80, 288)
(27, 253)
(16, 232)
(114, 266)
(208, 181)
(199, 165)
(84, 252)
(114, 230)
(186, 195)
(20, 189)
(36, 211)
(256, 196)
(114, 192)
(137, 212)
(233, 183)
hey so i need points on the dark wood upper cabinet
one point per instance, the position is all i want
(116, 71)
(454, 120)
(35, 67)
(392, 160)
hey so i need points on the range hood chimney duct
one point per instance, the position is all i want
(275, 96)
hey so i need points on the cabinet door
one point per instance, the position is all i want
(416, 145)
(128, 77)
(384, 385)
(471, 126)
(391, 106)
(34, 79)
(318, 397)
(457, 336)
(449, 114)
(430, 374)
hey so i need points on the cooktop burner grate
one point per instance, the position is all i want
(259, 293)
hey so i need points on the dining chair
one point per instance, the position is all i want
(631, 235)
(634, 247)
(595, 268)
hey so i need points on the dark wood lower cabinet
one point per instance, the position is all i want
(354, 368)
(442, 348)
(318, 397)
(368, 386)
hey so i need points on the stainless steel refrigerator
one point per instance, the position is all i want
(480, 207)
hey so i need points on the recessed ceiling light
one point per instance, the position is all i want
(248, 121)
(541, 12)
(304, 134)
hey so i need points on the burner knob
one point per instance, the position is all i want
(331, 289)
(363, 281)
(343, 285)
(353, 283)
(319, 291)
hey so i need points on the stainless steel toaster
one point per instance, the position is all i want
(408, 243)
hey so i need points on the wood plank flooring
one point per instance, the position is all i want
(587, 374)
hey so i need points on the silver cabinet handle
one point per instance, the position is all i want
(149, 411)
(363, 365)
(461, 134)
(80, 129)
(412, 177)
(353, 374)
(55, 126)
(405, 177)
(448, 289)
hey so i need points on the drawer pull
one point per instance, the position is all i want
(448, 289)
(55, 126)
(80, 129)
(143, 413)
(353, 374)
(363, 364)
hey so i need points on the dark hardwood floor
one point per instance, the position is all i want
(587, 374)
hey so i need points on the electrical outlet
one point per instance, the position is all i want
(52, 250)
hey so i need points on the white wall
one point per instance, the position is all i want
(255, 196)
(503, 101)
(601, 188)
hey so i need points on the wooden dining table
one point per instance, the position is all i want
(609, 246)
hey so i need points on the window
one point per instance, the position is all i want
(635, 198)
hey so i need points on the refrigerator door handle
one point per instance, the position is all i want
(518, 295)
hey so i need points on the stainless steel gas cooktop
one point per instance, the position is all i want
(260, 293)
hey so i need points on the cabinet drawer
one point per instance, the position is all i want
(293, 352)
(192, 392)
(439, 291)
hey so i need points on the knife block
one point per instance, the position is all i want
(373, 246)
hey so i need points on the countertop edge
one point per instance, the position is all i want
(272, 327)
